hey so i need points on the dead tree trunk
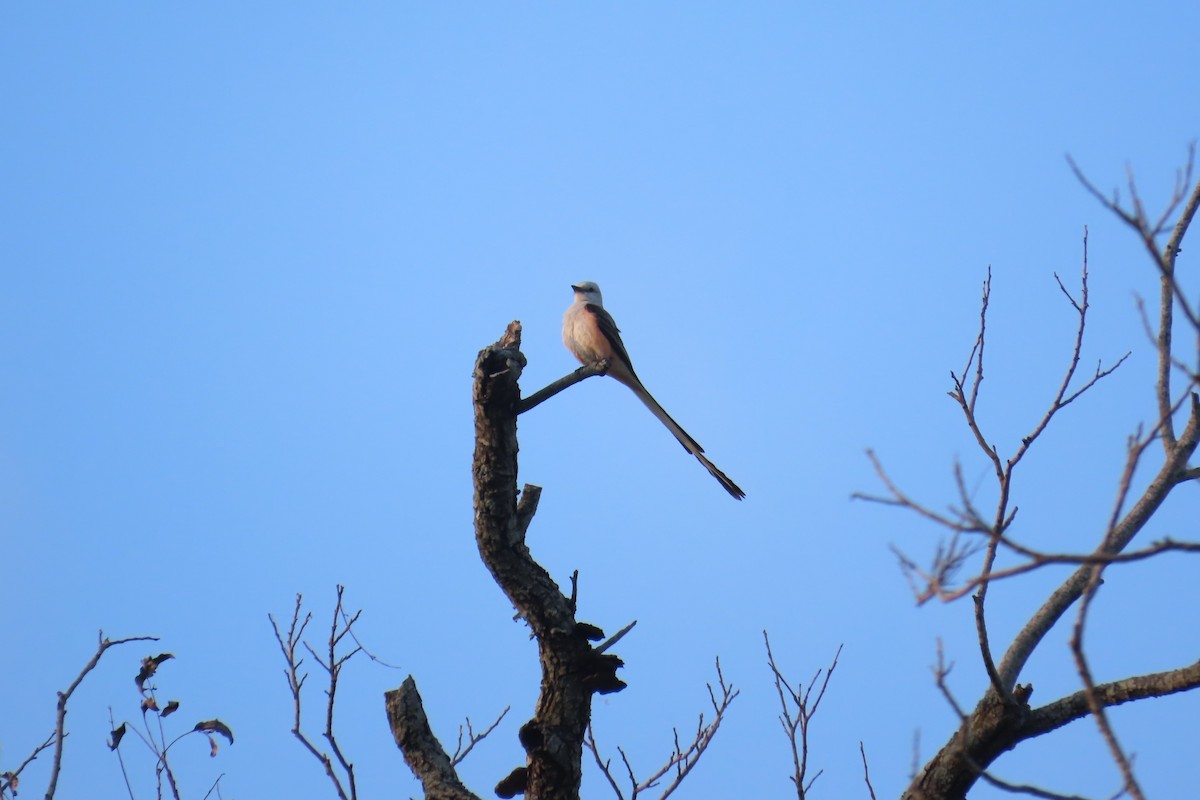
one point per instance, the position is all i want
(572, 670)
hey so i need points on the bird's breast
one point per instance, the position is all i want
(582, 336)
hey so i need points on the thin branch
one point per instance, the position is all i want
(683, 759)
(1065, 710)
(296, 681)
(473, 738)
(216, 787)
(940, 672)
(1193, 377)
(633, 781)
(1094, 705)
(1165, 259)
(899, 498)
(335, 668)
(1060, 401)
(604, 764)
(570, 379)
(866, 772)
(795, 723)
(979, 343)
(1170, 293)
(981, 631)
(573, 602)
(1021, 788)
(616, 637)
(936, 584)
(1175, 243)
(346, 620)
(948, 559)
(1116, 540)
(10, 779)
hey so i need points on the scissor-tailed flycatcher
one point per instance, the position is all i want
(591, 335)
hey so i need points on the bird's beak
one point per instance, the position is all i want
(574, 288)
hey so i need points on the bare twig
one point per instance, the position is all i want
(573, 602)
(797, 709)
(604, 764)
(346, 620)
(1150, 231)
(113, 744)
(542, 395)
(344, 783)
(216, 787)
(1189, 372)
(9, 780)
(1170, 294)
(937, 581)
(1021, 788)
(941, 671)
(1094, 705)
(616, 637)
(473, 738)
(866, 772)
(898, 498)
(683, 758)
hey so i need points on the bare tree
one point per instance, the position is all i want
(1003, 717)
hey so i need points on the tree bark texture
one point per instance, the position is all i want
(995, 727)
(422, 751)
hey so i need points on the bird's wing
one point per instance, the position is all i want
(608, 327)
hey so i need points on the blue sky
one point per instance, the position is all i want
(250, 253)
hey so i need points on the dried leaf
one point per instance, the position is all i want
(171, 708)
(212, 753)
(149, 667)
(116, 736)
(215, 726)
(149, 704)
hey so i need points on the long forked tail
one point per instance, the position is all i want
(689, 444)
(721, 477)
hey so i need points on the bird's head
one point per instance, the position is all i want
(588, 292)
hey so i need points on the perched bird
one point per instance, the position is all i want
(591, 335)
